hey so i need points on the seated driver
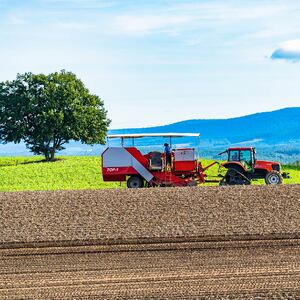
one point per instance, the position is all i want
(234, 157)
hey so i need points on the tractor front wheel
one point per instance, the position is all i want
(135, 182)
(273, 178)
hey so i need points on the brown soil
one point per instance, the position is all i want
(122, 216)
(175, 243)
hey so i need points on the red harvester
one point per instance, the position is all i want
(129, 164)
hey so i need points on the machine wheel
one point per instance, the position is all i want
(274, 178)
(193, 183)
(134, 182)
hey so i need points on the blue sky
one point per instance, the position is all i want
(157, 62)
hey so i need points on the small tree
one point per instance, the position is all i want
(47, 111)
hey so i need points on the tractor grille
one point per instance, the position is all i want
(276, 167)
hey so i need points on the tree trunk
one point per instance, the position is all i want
(46, 150)
(47, 155)
(52, 153)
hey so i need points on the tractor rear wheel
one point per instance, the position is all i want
(135, 182)
(235, 176)
(274, 178)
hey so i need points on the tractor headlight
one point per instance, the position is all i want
(276, 167)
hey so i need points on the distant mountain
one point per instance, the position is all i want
(276, 135)
(268, 127)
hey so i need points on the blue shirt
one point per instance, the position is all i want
(167, 149)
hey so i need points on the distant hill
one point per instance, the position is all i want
(268, 127)
(275, 134)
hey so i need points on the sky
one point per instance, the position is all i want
(158, 62)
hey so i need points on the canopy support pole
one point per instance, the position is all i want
(198, 148)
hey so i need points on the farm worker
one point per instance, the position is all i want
(168, 154)
(235, 157)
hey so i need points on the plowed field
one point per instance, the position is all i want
(188, 243)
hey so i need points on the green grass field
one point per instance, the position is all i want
(72, 172)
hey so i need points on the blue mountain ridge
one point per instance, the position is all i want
(269, 127)
(276, 134)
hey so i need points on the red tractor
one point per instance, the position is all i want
(242, 167)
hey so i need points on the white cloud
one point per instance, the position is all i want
(231, 10)
(75, 25)
(16, 20)
(289, 50)
(84, 3)
(146, 24)
(189, 16)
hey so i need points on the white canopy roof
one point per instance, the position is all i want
(141, 135)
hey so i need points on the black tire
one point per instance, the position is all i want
(135, 182)
(273, 178)
(223, 181)
(193, 183)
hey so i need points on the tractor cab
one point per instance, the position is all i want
(245, 156)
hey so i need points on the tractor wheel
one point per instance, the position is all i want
(135, 182)
(234, 176)
(274, 178)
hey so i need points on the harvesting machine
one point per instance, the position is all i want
(128, 164)
(151, 169)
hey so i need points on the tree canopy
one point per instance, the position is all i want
(47, 111)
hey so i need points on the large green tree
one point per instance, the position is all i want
(47, 111)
